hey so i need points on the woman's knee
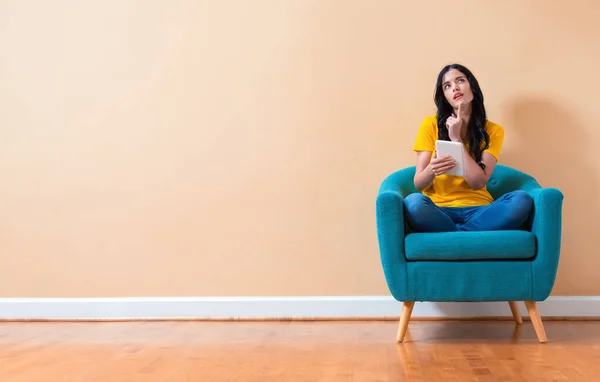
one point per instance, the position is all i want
(522, 200)
(416, 202)
(521, 205)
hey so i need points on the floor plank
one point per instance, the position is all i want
(298, 351)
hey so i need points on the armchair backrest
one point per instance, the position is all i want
(506, 179)
(400, 181)
(503, 180)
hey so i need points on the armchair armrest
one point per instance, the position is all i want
(547, 226)
(390, 234)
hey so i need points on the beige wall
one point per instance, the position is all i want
(235, 148)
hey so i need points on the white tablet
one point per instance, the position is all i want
(455, 150)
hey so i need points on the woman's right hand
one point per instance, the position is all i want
(441, 165)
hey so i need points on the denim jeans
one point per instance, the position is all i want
(509, 212)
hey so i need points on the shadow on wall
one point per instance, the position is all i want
(549, 143)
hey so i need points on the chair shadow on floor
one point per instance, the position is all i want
(501, 332)
(470, 331)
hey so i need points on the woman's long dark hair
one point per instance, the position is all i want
(477, 136)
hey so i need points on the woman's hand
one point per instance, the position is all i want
(455, 124)
(428, 167)
(441, 165)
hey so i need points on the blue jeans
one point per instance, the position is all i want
(509, 212)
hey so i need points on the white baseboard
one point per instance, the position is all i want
(368, 307)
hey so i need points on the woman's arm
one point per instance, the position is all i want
(428, 168)
(475, 176)
(424, 174)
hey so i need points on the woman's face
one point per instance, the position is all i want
(456, 88)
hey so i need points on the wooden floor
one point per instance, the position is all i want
(298, 351)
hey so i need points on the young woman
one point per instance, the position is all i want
(452, 203)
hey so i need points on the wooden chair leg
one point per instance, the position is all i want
(514, 307)
(407, 308)
(536, 320)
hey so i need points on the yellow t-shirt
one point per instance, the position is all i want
(454, 191)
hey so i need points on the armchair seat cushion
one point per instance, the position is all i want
(461, 246)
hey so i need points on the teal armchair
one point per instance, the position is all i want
(471, 266)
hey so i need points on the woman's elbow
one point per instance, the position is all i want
(474, 182)
(420, 185)
(478, 184)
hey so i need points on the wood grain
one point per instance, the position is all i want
(297, 351)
